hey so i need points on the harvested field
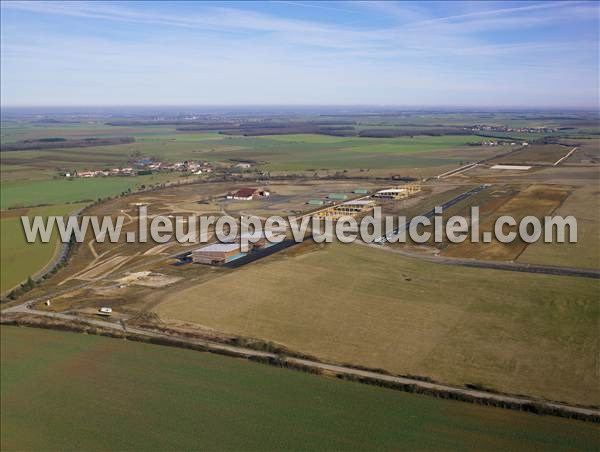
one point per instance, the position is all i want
(360, 305)
(536, 153)
(583, 205)
(535, 200)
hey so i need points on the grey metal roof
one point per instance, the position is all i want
(219, 247)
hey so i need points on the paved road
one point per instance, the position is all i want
(495, 265)
(248, 353)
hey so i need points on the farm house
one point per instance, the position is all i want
(247, 194)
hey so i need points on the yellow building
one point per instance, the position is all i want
(348, 208)
(401, 192)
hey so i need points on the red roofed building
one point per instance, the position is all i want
(245, 194)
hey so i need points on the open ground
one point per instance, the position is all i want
(354, 304)
(366, 306)
(374, 306)
(50, 379)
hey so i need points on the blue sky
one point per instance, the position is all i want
(523, 54)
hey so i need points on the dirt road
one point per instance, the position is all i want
(331, 368)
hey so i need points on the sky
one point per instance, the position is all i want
(470, 54)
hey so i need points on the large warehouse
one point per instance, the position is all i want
(261, 240)
(216, 253)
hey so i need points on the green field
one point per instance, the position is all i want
(20, 259)
(281, 152)
(57, 191)
(303, 152)
(518, 333)
(82, 392)
(18, 131)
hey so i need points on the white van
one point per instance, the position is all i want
(105, 311)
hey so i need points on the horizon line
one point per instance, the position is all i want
(293, 105)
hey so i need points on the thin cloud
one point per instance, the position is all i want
(238, 55)
(319, 6)
(499, 12)
(441, 33)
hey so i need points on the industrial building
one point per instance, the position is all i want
(217, 253)
(262, 241)
(401, 192)
(315, 202)
(221, 253)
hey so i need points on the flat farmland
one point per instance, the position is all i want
(305, 152)
(283, 152)
(20, 259)
(127, 395)
(22, 193)
(513, 332)
(516, 201)
(537, 153)
(583, 205)
(588, 151)
(19, 131)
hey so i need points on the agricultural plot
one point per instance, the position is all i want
(307, 152)
(518, 199)
(534, 200)
(127, 395)
(283, 152)
(19, 131)
(588, 151)
(20, 259)
(23, 193)
(360, 305)
(583, 205)
(536, 154)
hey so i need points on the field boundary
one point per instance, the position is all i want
(65, 322)
(61, 254)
